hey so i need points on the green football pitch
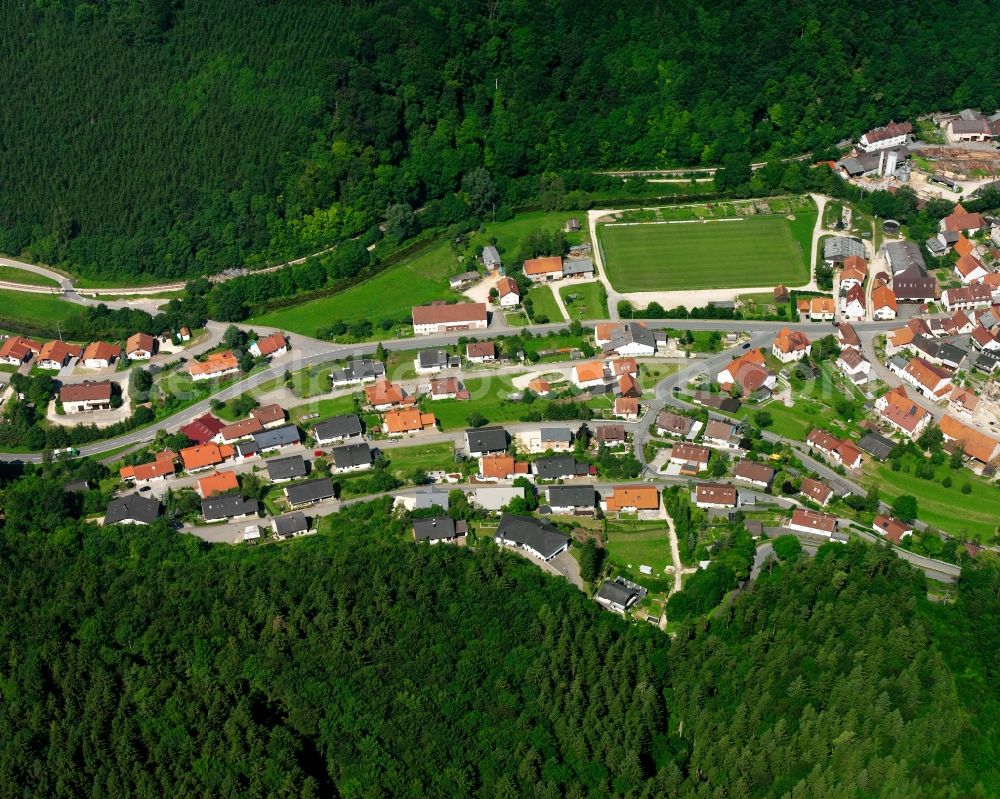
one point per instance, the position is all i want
(745, 253)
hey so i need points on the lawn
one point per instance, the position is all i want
(326, 408)
(973, 516)
(633, 543)
(543, 304)
(388, 296)
(488, 396)
(403, 461)
(754, 251)
(15, 305)
(585, 301)
(12, 274)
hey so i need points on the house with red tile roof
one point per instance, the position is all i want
(976, 295)
(100, 355)
(272, 346)
(501, 467)
(218, 364)
(145, 473)
(931, 381)
(85, 397)
(963, 401)
(17, 350)
(970, 269)
(588, 375)
(204, 456)
(631, 498)
(839, 450)
(852, 303)
(140, 347)
(203, 429)
(237, 431)
(508, 293)
(816, 491)
(974, 444)
(961, 220)
(539, 270)
(56, 354)
(626, 408)
(901, 413)
(790, 345)
(408, 420)
(748, 373)
(217, 483)
(716, 495)
(385, 395)
(884, 305)
(272, 415)
(481, 351)
(822, 309)
(892, 529)
(813, 522)
(629, 387)
(441, 317)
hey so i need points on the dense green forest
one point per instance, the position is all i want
(180, 137)
(139, 662)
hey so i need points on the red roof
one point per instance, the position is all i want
(893, 529)
(203, 429)
(217, 483)
(101, 351)
(86, 392)
(442, 313)
(813, 520)
(543, 266)
(507, 285)
(58, 351)
(139, 342)
(271, 344)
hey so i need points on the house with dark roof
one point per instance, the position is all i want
(716, 495)
(339, 428)
(358, 372)
(538, 538)
(309, 493)
(291, 525)
(877, 445)
(673, 424)
(430, 362)
(228, 507)
(438, 529)
(756, 474)
(203, 429)
(911, 281)
(132, 509)
(485, 441)
(555, 467)
(351, 457)
(281, 470)
(571, 499)
(619, 595)
(278, 437)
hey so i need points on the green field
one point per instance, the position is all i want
(403, 461)
(756, 251)
(633, 543)
(14, 275)
(16, 305)
(543, 304)
(585, 301)
(488, 396)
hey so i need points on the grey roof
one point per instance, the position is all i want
(877, 445)
(837, 248)
(534, 533)
(618, 593)
(227, 506)
(278, 437)
(950, 236)
(987, 361)
(352, 455)
(364, 369)
(563, 434)
(132, 508)
(629, 332)
(430, 497)
(949, 354)
(311, 491)
(465, 277)
(490, 255)
(245, 449)
(289, 523)
(495, 497)
(580, 266)
(853, 166)
(935, 246)
(286, 468)
(556, 466)
(971, 126)
(486, 439)
(572, 496)
(338, 427)
(437, 527)
(905, 259)
(898, 361)
(429, 358)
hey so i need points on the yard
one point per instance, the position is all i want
(404, 461)
(632, 544)
(543, 305)
(973, 516)
(585, 301)
(12, 274)
(708, 253)
(488, 396)
(325, 408)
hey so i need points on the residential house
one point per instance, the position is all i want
(485, 441)
(571, 499)
(424, 499)
(716, 495)
(977, 295)
(301, 495)
(358, 373)
(884, 305)
(961, 221)
(970, 269)
(508, 293)
(184, 334)
(217, 364)
(854, 271)
(619, 595)
(491, 258)
(554, 467)
(447, 388)
(983, 339)
(290, 467)
(931, 381)
(501, 467)
(748, 373)
(847, 337)
(673, 424)
(17, 350)
(495, 498)
(756, 474)
(100, 355)
(385, 395)
(838, 248)
(892, 135)
(287, 436)
(438, 529)
(632, 339)
(623, 366)
(132, 509)
(814, 522)
(540, 270)
(968, 126)
(720, 435)
(538, 538)
(790, 345)
(631, 499)
(245, 449)
(291, 525)
(911, 281)
(588, 374)
(273, 346)
(56, 354)
(626, 408)
(85, 397)
(409, 420)
(228, 507)
(232, 433)
(351, 457)
(556, 439)
(146, 473)
(839, 450)
(974, 444)
(481, 352)
(691, 457)
(204, 456)
(429, 362)
(854, 365)
(272, 415)
(440, 317)
(822, 309)
(610, 435)
(539, 387)
(892, 529)
(816, 491)
(852, 303)
(203, 429)
(963, 401)
(217, 483)
(781, 294)
(629, 387)
(140, 347)
(902, 413)
(338, 429)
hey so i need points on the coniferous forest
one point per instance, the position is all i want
(171, 138)
(137, 662)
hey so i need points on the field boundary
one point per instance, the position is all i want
(681, 221)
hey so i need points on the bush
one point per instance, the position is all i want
(787, 547)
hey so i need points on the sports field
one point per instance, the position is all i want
(744, 253)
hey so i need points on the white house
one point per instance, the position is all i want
(810, 521)
(892, 135)
(588, 374)
(508, 294)
(790, 345)
(443, 318)
(853, 364)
